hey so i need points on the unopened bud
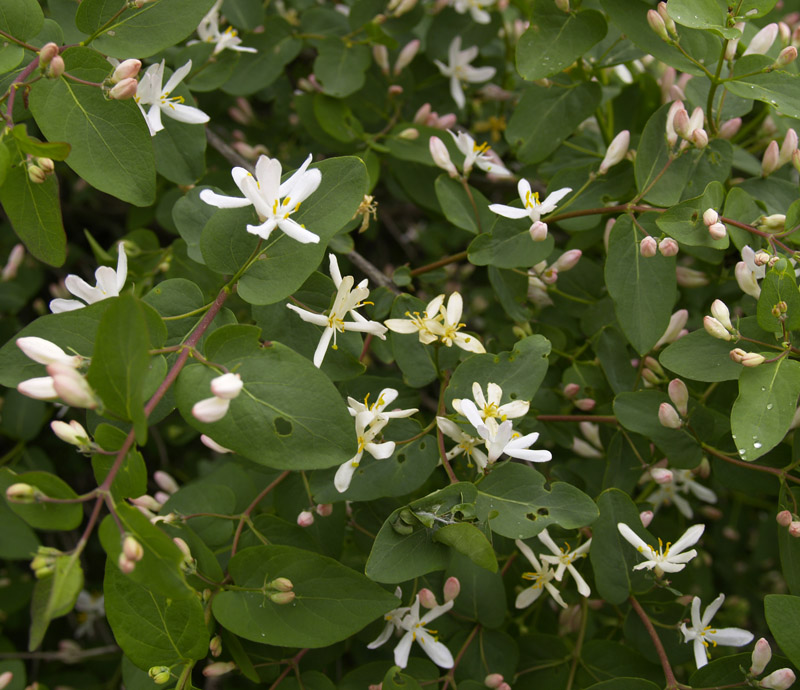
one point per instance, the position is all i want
(45, 352)
(796, 160)
(215, 646)
(441, 156)
(126, 565)
(763, 40)
(125, 70)
(493, 680)
(584, 449)
(406, 55)
(585, 404)
(422, 115)
(679, 395)
(782, 679)
(591, 432)
(661, 475)
(183, 547)
(616, 151)
(123, 90)
(539, 231)
(730, 46)
(504, 686)
(774, 223)
(657, 24)
(769, 162)
(680, 122)
(47, 165)
(210, 410)
(689, 277)
(56, 68)
(146, 501)
(324, 509)
(380, 54)
(395, 90)
(646, 516)
(21, 493)
(427, 598)
(648, 246)
(132, 549)
(567, 260)
(700, 138)
(213, 445)
(668, 247)
(36, 174)
(785, 31)
(787, 56)
(159, 674)
(717, 231)
(710, 216)
(747, 280)
(71, 387)
(47, 53)
(747, 359)
(563, 5)
(719, 310)
(227, 386)
(794, 528)
(165, 481)
(653, 363)
(571, 390)
(761, 656)
(452, 588)
(5, 679)
(410, 133)
(607, 232)
(305, 518)
(281, 584)
(784, 518)
(668, 416)
(730, 127)
(668, 22)
(282, 598)
(15, 259)
(218, 668)
(650, 376)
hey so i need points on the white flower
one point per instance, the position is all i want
(209, 32)
(274, 202)
(416, 630)
(377, 410)
(475, 8)
(108, 284)
(347, 300)
(151, 93)
(482, 155)
(671, 559)
(490, 406)
(532, 207)
(392, 622)
(466, 443)
(90, 608)
(563, 560)
(701, 633)
(459, 69)
(541, 578)
(416, 323)
(682, 482)
(366, 432)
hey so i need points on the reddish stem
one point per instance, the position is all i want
(252, 506)
(672, 684)
(292, 663)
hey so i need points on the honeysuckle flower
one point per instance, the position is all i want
(415, 629)
(441, 156)
(475, 8)
(564, 558)
(347, 300)
(108, 284)
(673, 490)
(377, 410)
(466, 444)
(45, 352)
(274, 202)
(459, 69)
(701, 634)
(392, 622)
(72, 433)
(416, 323)
(531, 206)
(541, 578)
(674, 329)
(225, 388)
(489, 405)
(479, 155)
(151, 93)
(367, 429)
(90, 608)
(208, 31)
(670, 559)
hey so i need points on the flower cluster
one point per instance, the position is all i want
(532, 208)
(108, 283)
(150, 92)
(64, 380)
(208, 31)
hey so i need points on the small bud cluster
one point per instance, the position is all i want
(672, 416)
(159, 674)
(716, 229)
(280, 591)
(790, 521)
(224, 388)
(452, 588)
(660, 22)
(408, 52)
(775, 158)
(64, 381)
(688, 127)
(782, 679)
(50, 62)
(429, 118)
(719, 325)
(132, 552)
(652, 372)
(667, 246)
(496, 682)
(44, 562)
(542, 275)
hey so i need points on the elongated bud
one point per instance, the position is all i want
(716, 329)
(782, 679)
(159, 674)
(700, 138)
(676, 323)
(784, 518)
(763, 40)
(747, 280)
(794, 528)
(146, 501)
(47, 53)
(132, 549)
(213, 445)
(123, 90)
(796, 160)
(788, 147)
(571, 390)
(125, 70)
(215, 646)
(769, 162)
(679, 395)
(668, 416)
(607, 232)
(650, 376)
(761, 656)
(672, 135)
(717, 231)
(710, 216)
(493, 680)
(282, 598)
(218, 668)
(184, 548)
(324, 509)
(539, 231)
(40, 388)
(15, 259)
(657, 24)
(441, 156)
(591, 432)
(407, 54)
(227, 386)
(138, 4)
(165, 481)
(730, 46)
(785, 32)
(584, 449)
(689, 277)
(36, 174)
(305, 518)
(730, 127)
(774, 223)
(719, 310)
(5, 679)
(585, 404)
(125, 564)
(646, 516)
(452, 588)
(427, 598)
(661, 475)
(72, 433)
(380, 53)
(786, 57)
(281, 584)
(211, 409)
(680, 123)
(648, 247)
(422, 115)
(668, 247)
(567, 260)
(21, 493)
(409, 133)
(46, 164)
(45, 352)
(563, 5)
(616, 151)
(668, 22)
(56, 68)
(71, 387)
(747, 359)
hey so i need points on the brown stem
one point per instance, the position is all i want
(12, 92)
(69, 656)
(672, 684)
(608, 419)
(457, 661)
(781, 474)
(373, 272)
(27, 46)
(291, 664)
(438, 264)
(465, 185)
(246, 514)
(67, 75)
(440, 436)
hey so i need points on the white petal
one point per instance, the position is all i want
(583, 587)
(527, 596)
(529, 455)
(177, 77)
(508, 211)
(40, 388)
(552, 199)
(476, 75)
(322, 347)
(310, 317)
(528, 553)
(455, 305)
(469, 343)
(438, 653)
(512, 410)
(547, 540)
(304, 187)
(59, 306)
(401, 325)
(286, 187)
(80, 288)
(221, 201)
(380, 451)
(711, 610)
(690, 537)
(344, 475)
(297, 232)
(106, 278)
(122, 266)
(633, 539)
(184, 113)
(700, 656)
(211, 409)
(471, 413)
(153, 119)
(333, 269)
(731, 637)
(457, 92)
(264, 230)
(386, 633)
(402, 650)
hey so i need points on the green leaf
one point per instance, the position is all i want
(413, 357)
(782, 612)
(180, 148)
(121, 359)
(34, 211)
(779, 286)
(763, 412)
(151, 629)
(286, 264)
(57, 150)
(341, 68)
(643, 288)
(10, 56)
(625, 684)
(332, 602)
(514, 502)
(703, 14)
(336, 118)
(556, 39)
(518, 372)
(508, 246)
(755, 8)
(131, 478)
(546, 116)
(289, 415)
(23, 417)
(21, 18)
(19, 540)
(54, 595)
(457, 207)
(111, 147)
(190, 216)
(727, 670)
(470, 541)
(396, 680)
(45, 516)
(778, 88)
(482, 597)
(684, 222)
(138, 33)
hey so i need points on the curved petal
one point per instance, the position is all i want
(264, 230)
(471, 413)
(480, 458)
(444, 69)
(286, 187)
(185, 113)
(528, 553)
(344, 475)
(453, 50)
(438, 653)
(322, 346)
(380, 451)
(222, 201)
(386, 633)
(304, 187)
(529, 455)
(633, 539)
(475, 75)
(402, 650)
(711, 610)
(690, 537)
(455, 306)
(106, 278)
(457, 92)
(297, 232)
(547, 540)
(731, 637)
(553, 198)
(177, 77)
(211, 409)
(480, 16)
(268, 177)
(527, 596)
(153, 119)
(309, 316)
(59, 306)
(122, 266)
(524, 191)
(700, 655)
(508, 211)
(583, 587)
(467, 55)
(333, 269)
(80, 288)
(514, 409)
(469, 343)
(401, 325)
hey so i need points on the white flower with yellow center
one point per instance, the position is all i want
(702, 635)
(459, 69)
(208, 31)
(347, 300)
(366, 431)
(466, 444)
(416, 631)
(274, 202)
(564, 558)
(489, 405)
(378, 408)
(482, 155)
(541, 579)
(449, 324)
(531, 206)
(108, 284)
(670, 559)
(392, 619)
(419, 323)
(150, 92)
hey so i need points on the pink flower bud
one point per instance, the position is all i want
(769, 162)
(763, 40)
(282, 598)
(409, 133)
(161, 496)
(719, 310)
(661, 475)
(616, 151)
(689, 277)
(538, 231)
(324, 509)
(567, 260)
(218, 668)
(716, 329)
(215, 646)
(761, 656)
(672, 136)
(422, 115)
(549, 275)
(648, 247)
(607, 231)
(646, 516)
(281, 584)
(211, 409)
(47, 53)
(788, 147)
(796, 160)
(664, 14)
(227, 386)
(305, 518)
(126, 565)
(785, 32)
(71, 387)
(132, 549)
(668, 416)
(787, 56)
(585, 404)
(680, 123)
(447, 121)
(700, 138)
(394, 90)
(452, 588)
(585, 450)
(657, 24)
(165, 481)
(213, 445)
(781, 679)
(679, 395)
(183, 547)
(710, 216)
(15, 259)
(747, 359)
(784, 518)
(380, 54)
(571, 390)
(730, 46)
(406, 55)
(504, 686)
(56, 68)
(730, 127)
(45, 352)
(125, 70)
(493, 680)
(123, 90)
(427, 598)
(441, 156)
(668, 247)
(794, 528)
(5, 679)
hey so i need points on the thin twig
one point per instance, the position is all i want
(672, 684)
(373, 272)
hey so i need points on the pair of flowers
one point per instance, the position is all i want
(64, 380)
